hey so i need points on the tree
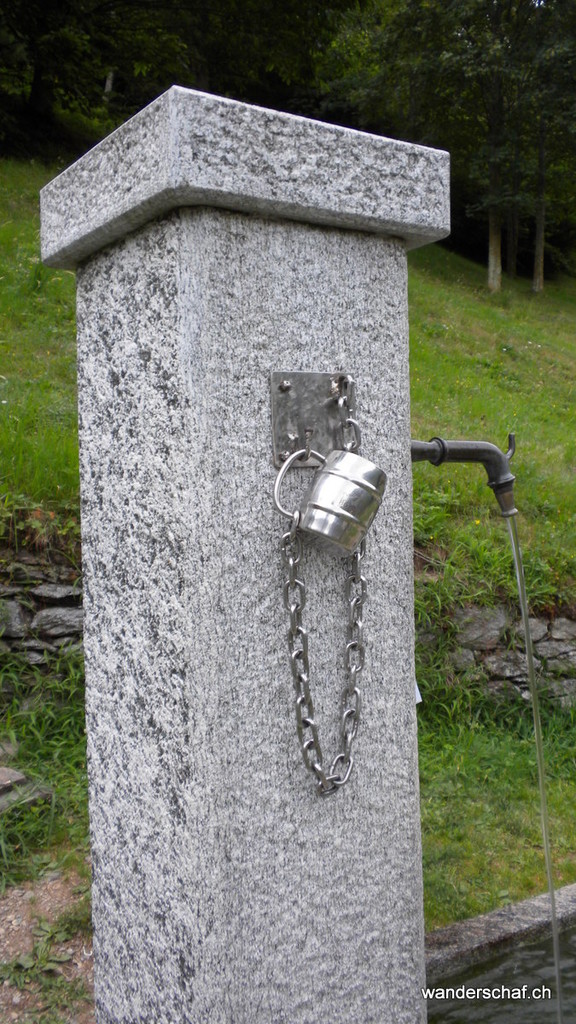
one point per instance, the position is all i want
(554, 112)
(116, 55)
(465, 75)
(66, 46)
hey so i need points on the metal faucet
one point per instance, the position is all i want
(495, 462)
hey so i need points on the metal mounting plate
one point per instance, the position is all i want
(305, 410)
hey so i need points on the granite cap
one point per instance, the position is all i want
(190, 148)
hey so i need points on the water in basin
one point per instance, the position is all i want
(502, 995)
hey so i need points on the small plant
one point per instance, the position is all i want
(43, 959)
(40, 528)
(42, 969)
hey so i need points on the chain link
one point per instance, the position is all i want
(351, 437)
(350, 705)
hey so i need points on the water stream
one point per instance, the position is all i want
(518, 565)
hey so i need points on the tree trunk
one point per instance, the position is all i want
(513, 216)
(512, 232)
(538, 276)
(495, 210)
(494, 249)
(108, 86)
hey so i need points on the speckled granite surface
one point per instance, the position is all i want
(189, 148)
(225, 890)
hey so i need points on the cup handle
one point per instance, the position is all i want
(284, 469)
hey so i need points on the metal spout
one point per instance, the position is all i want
(495, 462)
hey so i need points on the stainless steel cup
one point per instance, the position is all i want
(342, 501)
(344, 497)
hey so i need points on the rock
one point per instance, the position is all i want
(507, 665)
(68, 644)
(551, 649)
(23, 792)
(563, 629)
(503, 688)
(37, 645)
(8, 750)
(566, 667)
(6, 690)
(35, 657)
(13, 620)
(57, 592)
(426, 637)
(462, 659)
(26, 570)
(480, 629)
(538, 629)
(9, 777)
(53, 622)
(564, 691)
(563, 666)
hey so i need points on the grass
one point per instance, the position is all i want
(480, 804)
(38, 436)
(43, 712)
(481, 366)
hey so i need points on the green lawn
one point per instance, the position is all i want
(38, 437)
(483, 366)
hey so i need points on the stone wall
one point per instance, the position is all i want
(490, 642)
(40, 606)
(41, 613)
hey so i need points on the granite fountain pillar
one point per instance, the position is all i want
(215, 242)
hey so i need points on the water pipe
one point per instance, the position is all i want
(495, 462)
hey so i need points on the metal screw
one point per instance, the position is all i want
(285, 385)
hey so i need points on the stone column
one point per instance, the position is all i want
(215, 242)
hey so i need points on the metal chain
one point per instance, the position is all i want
(295, 601)
(351, 437)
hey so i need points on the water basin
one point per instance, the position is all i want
(504, 978)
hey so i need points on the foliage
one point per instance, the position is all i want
(27, 524)
(106, 60)
(490, 81)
